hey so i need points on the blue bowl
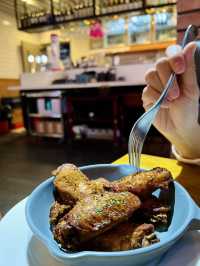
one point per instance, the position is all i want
(186, 213)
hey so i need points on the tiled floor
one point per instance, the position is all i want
(25, 161)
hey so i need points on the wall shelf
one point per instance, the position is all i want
(46, 135)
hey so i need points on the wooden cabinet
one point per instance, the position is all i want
(104, 113)
(43, 114)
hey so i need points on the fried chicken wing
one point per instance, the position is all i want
(69, 182)
(98, 185)
(57, 211)
(94, 215)
(124, 236)
(72, 185)
(154, 211)
(109, 216)
(143, 183)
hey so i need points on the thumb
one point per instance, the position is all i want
(189, 78)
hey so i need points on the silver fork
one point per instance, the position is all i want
(143, 124)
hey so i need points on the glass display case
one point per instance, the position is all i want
(115, 32)
(158, 25)
(139, 29)
(165, 24)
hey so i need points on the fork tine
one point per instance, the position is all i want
(137, 155)
(134, 147)
(132, 143)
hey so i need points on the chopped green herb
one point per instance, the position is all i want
(116, 201)
(98, 210)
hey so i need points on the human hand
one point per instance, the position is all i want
(177, 119)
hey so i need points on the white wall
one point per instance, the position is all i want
(79, 42)
(10, 39)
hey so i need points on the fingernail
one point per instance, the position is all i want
(179, 65)
(173, 50)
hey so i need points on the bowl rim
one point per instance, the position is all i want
(64, 255)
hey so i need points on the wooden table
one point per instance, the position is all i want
(186, 174)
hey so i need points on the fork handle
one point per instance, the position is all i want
(190, 35)
(168, 86)
(197, 62)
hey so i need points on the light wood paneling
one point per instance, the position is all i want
(185, 5)
(186, 19)
(188, 13)
(4, 84)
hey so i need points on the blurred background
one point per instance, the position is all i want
(71, 79)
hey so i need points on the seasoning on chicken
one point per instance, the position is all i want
(143, 183)
(94, 215)
(72, 185)
(97, 185)
(125, 236)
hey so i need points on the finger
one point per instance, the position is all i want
(150, 96)
(189, 78)
(177, 63)
(183, 63)
(152, 79)
(164, 71)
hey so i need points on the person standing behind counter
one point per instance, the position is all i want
(177, 119)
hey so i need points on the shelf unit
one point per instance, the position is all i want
(57, 116)
(43, 116)
(101, 123)
(87, 111)
(47, 135)
(52, 13)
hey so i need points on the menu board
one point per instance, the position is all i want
(67, 10)
(103, 7)
(33, 13)
(159, 2)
